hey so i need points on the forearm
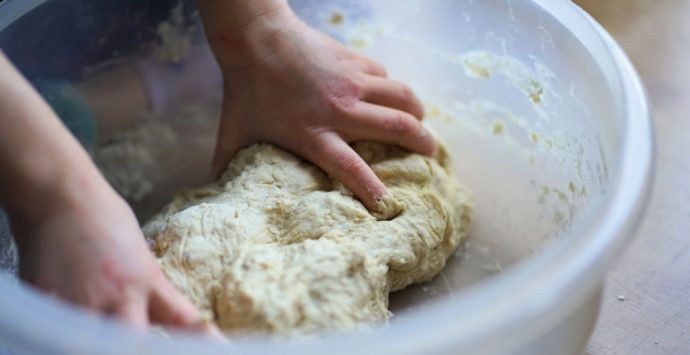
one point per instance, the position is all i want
(38, 156)
(240, 31)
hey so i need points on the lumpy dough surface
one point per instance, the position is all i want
(277, 246)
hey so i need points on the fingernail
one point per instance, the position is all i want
(434, 150)
(215, 333)
(388, 207)
(209, 328)
(379, 193)
(424, 134)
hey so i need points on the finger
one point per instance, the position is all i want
(371, 67)
(168, 307)
(393, 94)
(382, 124)
(338, 159)
(211, 330)
(230, 140)
(133, 311)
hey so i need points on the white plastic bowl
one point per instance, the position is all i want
(549, 126)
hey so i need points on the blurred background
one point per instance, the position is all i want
(646, 308)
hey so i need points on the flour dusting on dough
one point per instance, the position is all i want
(276, 247)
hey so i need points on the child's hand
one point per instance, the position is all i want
(77, 238)
(87, 248)
(291, 85)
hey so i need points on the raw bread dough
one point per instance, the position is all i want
(277, 246)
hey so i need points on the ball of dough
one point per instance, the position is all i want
(277, 246)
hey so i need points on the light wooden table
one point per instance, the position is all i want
(654, 275)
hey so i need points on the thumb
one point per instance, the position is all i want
(230, 139)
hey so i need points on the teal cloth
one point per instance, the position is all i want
(72, 108)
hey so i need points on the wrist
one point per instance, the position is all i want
(40, 160)
(47, 187)
(242, 32)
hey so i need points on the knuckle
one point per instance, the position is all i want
(400, 123)
(381, 69)
(375, 67)
(349, 163)
(315, 147)
(354, 81)
(314, 142)
(341, 95)
(406, 94)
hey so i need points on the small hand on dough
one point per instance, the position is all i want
(88, 249)
(307, 93)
